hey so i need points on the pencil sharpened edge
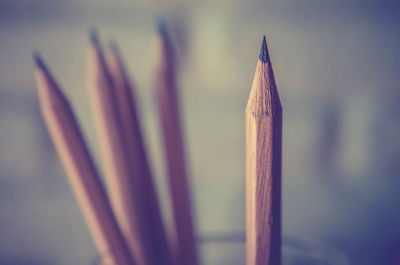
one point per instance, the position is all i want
(94, 36)
(37, 58)
(161, 27)
(264, 56)
(112, 44)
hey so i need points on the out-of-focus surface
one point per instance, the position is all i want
(337, 67)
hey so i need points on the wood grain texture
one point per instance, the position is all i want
(263, 167)
(159, 253)
(80, 169)
(184, 245)
(125, 191)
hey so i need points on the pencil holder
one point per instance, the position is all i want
(295, 251)
(309, 251)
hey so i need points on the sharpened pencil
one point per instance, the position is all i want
(80, 169)
(184, 246)
(125, 191)
(134, 141)
(263, 166)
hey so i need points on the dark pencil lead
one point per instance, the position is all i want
(94, 37)
(38, 60)
(264, 56)
(161, 27)
(163, 33)
(113, 45)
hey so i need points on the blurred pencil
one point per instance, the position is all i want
(184, 247)
(81, 172)
(263, 166)
(128, 111)
(125, 190)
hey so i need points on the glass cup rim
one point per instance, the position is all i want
(314, 247)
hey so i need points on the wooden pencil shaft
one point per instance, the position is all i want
(125, 190)
(263, 167)
(167, 100)
(155, 232)
(81, 172)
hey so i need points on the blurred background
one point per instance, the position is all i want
(337, 68)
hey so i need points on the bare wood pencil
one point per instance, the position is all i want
(124, 190)
(81, 172)
(184, 247)
(263, 166)
(129, 116)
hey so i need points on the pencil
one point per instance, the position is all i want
(80, 169)
(263, 166)
(124, 189)
(128, 111)
(184, 247)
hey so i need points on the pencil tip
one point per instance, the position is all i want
(161, 27)
(113, 45)
(93, 36)
(264, 56)
(164, 36)
(38, 60)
